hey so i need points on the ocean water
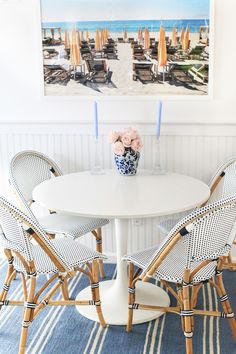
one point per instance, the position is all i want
(131, 26)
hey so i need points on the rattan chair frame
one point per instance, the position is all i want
(35, 301)
(56, 172)
(186, 293)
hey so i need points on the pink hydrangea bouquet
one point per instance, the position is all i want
(126, 146)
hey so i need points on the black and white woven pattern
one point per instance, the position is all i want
(27, 170)
(225, 188)
(72, 251)
(173, 266)
(70, 225)
(210, 233)
(14, 224)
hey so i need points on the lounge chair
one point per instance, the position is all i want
(143, 72)
(110, 53)
(138, 53)
(181, 75)
(86, 53)
(205, 54)
(171, 50)
(110, 45)
(84, 43)
(50, 53)
(130, 40)
(120, 40)
(200, 73)
(133, 43)
(98, 71)
(154, 52)
(56, 74)
(51, 41)
(196, 52)
(111, 41)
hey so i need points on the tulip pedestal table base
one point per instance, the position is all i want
(114, 293)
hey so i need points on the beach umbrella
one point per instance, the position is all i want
(97, 41)
(52, 32)
(174, 37)
(75, 56)
(103, 36)
(101, 39)
(67, 40)
(78, 39)
(146, 39)
(87, 35)
(182, 36)
(125, 34)
(107, 33)
(140, 35)
(162, 51)
(185, 44)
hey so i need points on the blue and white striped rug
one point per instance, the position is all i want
(62, 330)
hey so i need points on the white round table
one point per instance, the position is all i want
(113, 196)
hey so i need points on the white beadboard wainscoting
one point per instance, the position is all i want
(194, 150)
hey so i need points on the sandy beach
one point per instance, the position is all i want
(122, 82)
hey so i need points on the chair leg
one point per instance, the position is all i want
(179, 291)
(28, 316)
(225, 302)
(131, 298)
(98, 236)
(187, 313)
(96, 293)
(24, 330)
(9, 277)
(64, 289)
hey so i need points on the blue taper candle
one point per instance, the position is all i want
(158, 122)
(96, 119)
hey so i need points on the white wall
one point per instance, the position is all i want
(197, 135)
(21, 75)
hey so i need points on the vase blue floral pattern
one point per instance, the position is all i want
(127, 164)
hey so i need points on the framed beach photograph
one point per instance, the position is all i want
(127, 48)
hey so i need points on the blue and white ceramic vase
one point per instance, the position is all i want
(127, 164)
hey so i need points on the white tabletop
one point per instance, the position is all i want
(114, 196)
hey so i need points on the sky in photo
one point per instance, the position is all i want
(104, 10)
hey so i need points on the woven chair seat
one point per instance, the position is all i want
(73, 252)
(69, 225)
(173, 265)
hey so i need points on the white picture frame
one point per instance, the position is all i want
(147, 97)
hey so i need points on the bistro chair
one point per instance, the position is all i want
(222, 185)
(31, 253)
(192, 254)
(30, 168)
